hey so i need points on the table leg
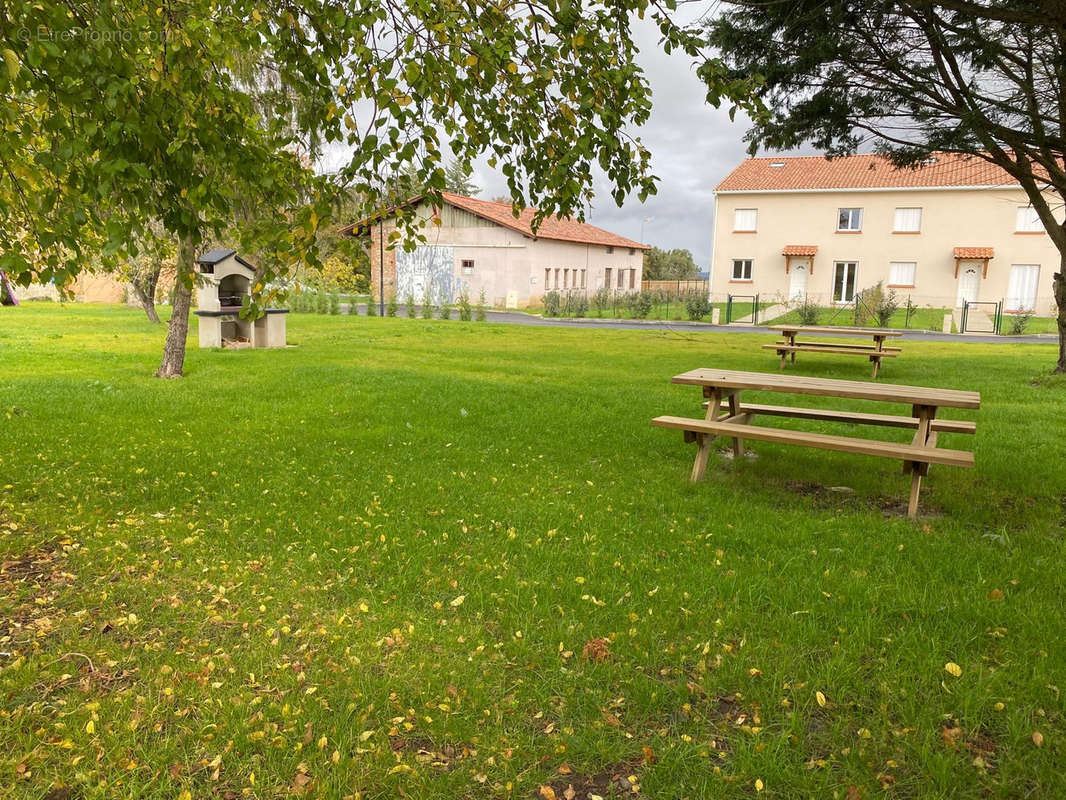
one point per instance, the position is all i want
(916, 487)
(792, 341)
(877, 363)
(714, 406)
(734, 410)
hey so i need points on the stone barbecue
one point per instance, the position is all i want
(227, 280)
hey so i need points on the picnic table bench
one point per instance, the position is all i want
(720, 386)
(791, 345)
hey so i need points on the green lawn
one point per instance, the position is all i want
(453, 560)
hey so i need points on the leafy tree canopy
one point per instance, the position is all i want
(669, 265)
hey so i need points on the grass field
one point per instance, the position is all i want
(920, 319)
(449, 560)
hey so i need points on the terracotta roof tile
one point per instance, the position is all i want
(800, 250)
(974, 252)
(861, 172)
(562, 228)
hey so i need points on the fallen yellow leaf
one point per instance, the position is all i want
(951, 668)
(820, 698)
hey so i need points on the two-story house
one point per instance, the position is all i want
(955, 229)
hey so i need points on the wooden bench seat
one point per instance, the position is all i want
(856, 418)
(853, 350)
(845, 345)
(845, 444)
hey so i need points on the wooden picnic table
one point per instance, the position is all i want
(875, 352)
(720, 386)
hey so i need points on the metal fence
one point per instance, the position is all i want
(981, 317)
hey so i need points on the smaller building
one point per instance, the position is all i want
(227, 281)
(476, 246)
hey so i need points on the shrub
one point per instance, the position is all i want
(409, 305)
(641, 303)
(807, 312)
(427, 305)
(875, 306)
(479, 311)
(371, 307)
(601, 301)
(391, 306)
(466, 311)
(552, 303)
(576, 305)
(1019, 322)
(334, 303)
(444, 310)
(697, 305)
(353, 305)
(321, 303)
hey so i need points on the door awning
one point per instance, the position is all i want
(982, 254)
(799, 251)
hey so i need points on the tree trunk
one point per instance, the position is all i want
(146, 299)
(178, 329)
(1059, 292)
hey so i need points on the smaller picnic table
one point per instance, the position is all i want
(875, 352)
(724, 386)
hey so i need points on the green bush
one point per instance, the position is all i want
(875, 306)
(371, 308)
(409, 305)
(391, 306)
(640, 303)
(427, 305)
(353, 305)
(575, 305)
(444, 310)
(601, 301)
(466, 311)
(697, 304)
(321, 303)
(1019, 322)
(479, 311)
(334, 303)
(807, 312)
(552, 304)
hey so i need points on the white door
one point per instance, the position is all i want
(969, 286)
(797, 285)
(1021, 290)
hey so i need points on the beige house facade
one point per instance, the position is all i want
(479, 246)
(957, 229)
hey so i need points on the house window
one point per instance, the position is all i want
(621, 278)
(632, 278)
(610, 250)
(468, 267)
(566, 279)
(901, 274)
(632, 251)
(547, 278)
(583, 278)
(607, 278)
(908, 220)
(745, 220)
(844, 281)
(1021, 289)
(849, 219)
(1027, 220)
(742, 269)
(556, 277)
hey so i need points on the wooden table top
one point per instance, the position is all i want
(830, 387)
(874, 332)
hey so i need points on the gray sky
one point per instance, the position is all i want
(693, 146)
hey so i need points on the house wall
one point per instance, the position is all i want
(950, 219)
(507, 265)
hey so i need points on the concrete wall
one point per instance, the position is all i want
(507, 265)
(950, 219)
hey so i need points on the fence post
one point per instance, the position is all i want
(728, 309)
(965, 309)
(999, 317)
(755, 312)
